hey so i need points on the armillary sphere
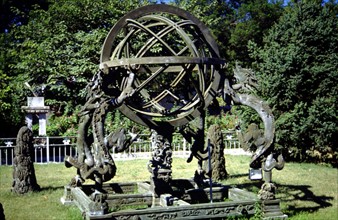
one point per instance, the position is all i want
(174, 58)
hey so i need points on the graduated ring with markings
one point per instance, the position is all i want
(174, 58)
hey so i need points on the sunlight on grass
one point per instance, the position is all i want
(307, 191)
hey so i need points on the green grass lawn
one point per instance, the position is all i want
(307, 191)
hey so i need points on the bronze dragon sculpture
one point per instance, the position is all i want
(94, 160)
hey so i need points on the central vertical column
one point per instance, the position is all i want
(160, 164)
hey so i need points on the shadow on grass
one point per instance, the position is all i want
(238, 175)
(301, 195)
(51, 188)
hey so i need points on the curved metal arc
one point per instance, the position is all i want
(158, 37)
(145, 94)
(181, 74)
(193, 101)
(180, 113)
(153, 102)
(178, 28)
(201, 78)
(135, 116)
(162, 33)
(117, 51)
(151, 78)
(107, 45)
(141, 26)
(147, 46)
(158, 98)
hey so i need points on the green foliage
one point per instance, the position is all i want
(226, 120)
(65, 125)
(56, 49)
(298, 71)
(4, 79)
(116, 120)
(235, 23)
(258, 212)
(217, 15)
(252, 20)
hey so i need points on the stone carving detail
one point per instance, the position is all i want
(94, 159)
(199, 150)
(268, 189)
(252, 139)
(24, 179)
(162, 216)
(160, 164)
(99, 205)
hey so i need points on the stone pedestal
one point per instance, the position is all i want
(35, 105)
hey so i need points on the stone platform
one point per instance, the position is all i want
(135, 201)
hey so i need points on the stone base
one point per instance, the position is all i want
(67, 198)
(136, 201)
(271, 210)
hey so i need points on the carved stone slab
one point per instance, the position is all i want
(179, 205)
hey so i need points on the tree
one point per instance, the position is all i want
(298, 71)
(13, 12)
(4, 88)
(56, 50)
(252, 20)
(8, 99)
(217, 15)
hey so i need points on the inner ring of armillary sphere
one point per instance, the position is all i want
(175, 60)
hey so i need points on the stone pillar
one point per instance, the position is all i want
(217, 170)
(35, 105)
(29, 120)
(24, 179)
(42, 124)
